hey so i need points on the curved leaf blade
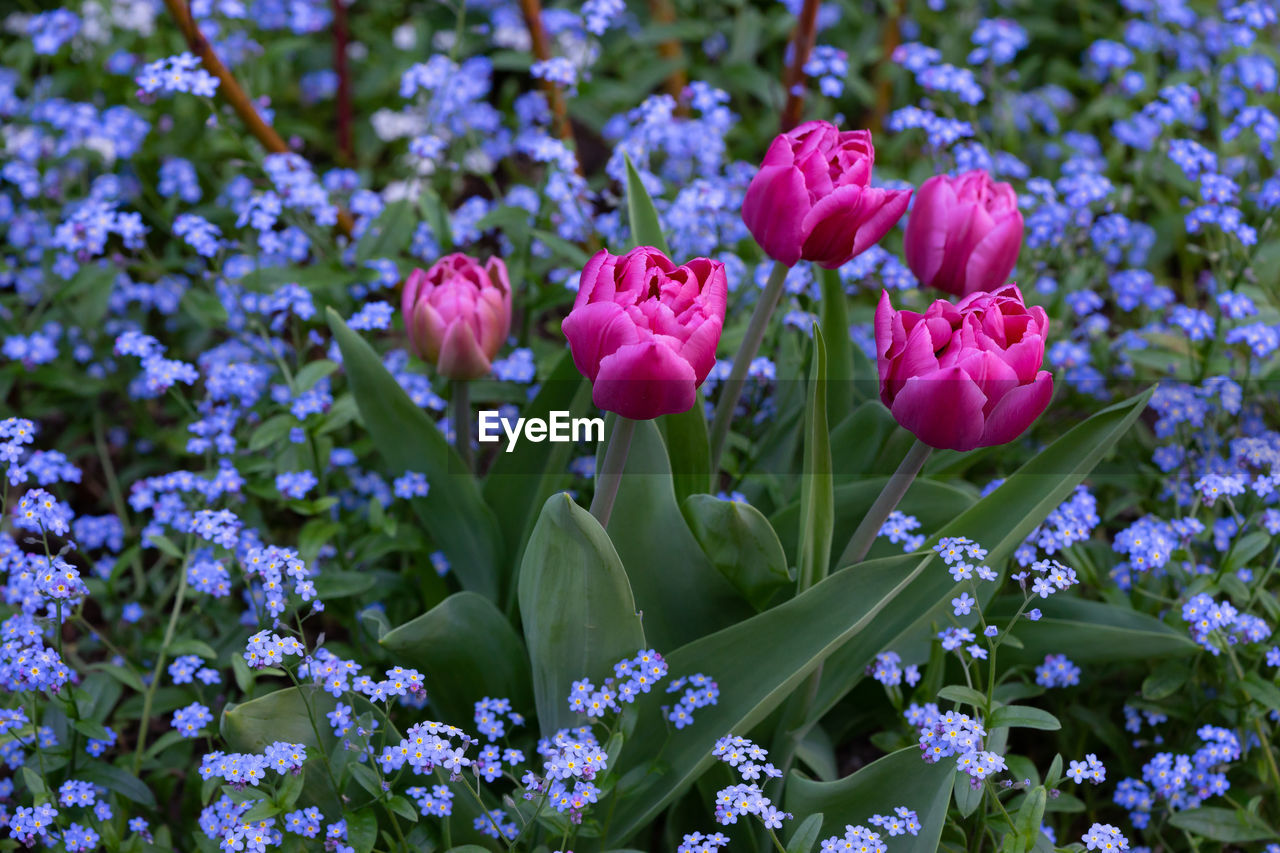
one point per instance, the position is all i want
(453, 512)
(579, 614)
(646, 229)
(901, 778)
(466, 649)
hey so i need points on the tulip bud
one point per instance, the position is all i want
(968, 375)
(963, 233)
(812, 197)
(644, 330)
(458, 314)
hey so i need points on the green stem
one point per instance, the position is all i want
(890, 495)
(462, 420)
(1263, 740)
(161, 659)
(609, 477)
(732, 388)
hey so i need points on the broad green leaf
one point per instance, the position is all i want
(1261, 690)
(817, 503)
(857, 439)
(689, 450)
(117, 779)
(278, 716)
(1095, 631)
(646, 230)
(1028, 820)
(757, 663)
(834, 309)
(1228, 826)
(1000, 522)
(452, 512)
(466, 650)
(740, 544)
(679, 594)
(578, 611)
(805, 835)
(960, 694)
(362, 829)
(901, 778)
(283, 716)
(389, 234)
(435, 213)
(934, 503)
(521, 481)
(1023, 717)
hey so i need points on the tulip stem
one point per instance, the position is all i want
(462, 420)
(732, 388)
(890, 495)
(609, 477)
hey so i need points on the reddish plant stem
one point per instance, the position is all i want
(884, 89)
(233, 93)
(541, 45)
(677, 81)
(341, 38)
(802, 41)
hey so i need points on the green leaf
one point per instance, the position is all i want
(389, 234)
(857, 439)
(740, 544)
(880, 601)
(165, 545)
(689, 450)
(521, 481)
(1028, 819)
(278, 716)
(877, 789)
(332, 584)
(646, 230)
(313, 372)
(1000, 522)
(934, 503)
(453, 512)
(117, 779)
(362, 829)
(465, 649)
(1228, 826)
(1095, 631)
(835, 333)
(962, 695)
(437, 216)
(579, 614)
(817, 501)
(1023, 717)
(1166, 680)
(677, 591)
(806, 835)
(1260, 690)
(786, 643)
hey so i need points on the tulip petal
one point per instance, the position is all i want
(883, 215)
(596, 331)
(829, 228)
(460, 353)
(995, 255)
(1016, 411)
(925, 241)
(942, 409)
(773, 209)
(643, 381)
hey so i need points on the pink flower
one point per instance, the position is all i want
(812, 197)
(968, 375)
(644, 330)
(458, 314)
(964, 233)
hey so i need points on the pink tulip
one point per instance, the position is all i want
(458, 314)
(964, 233)
(644, 330)
(812, 197)
(968, 375)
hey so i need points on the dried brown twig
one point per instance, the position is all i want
(802, 41)
(233, 93)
